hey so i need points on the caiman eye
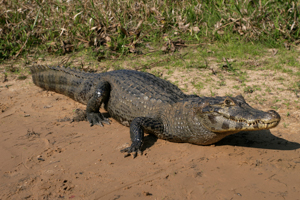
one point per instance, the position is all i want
(229, 102)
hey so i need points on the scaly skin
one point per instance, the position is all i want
(150, 104)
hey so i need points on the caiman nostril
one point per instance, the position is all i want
(274, 114)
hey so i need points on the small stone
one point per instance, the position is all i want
(146, 193)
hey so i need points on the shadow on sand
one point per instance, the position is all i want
(149, 141)
(258, 139)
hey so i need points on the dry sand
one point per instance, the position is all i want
(42, 158)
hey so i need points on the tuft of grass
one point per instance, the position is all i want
(275, 107)
(212, 94)
(248, 89)
(22, 77)
(221, 83)
(236, 87)
(268, 89)
(198, 85)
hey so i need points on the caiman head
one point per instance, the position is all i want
(232, 114)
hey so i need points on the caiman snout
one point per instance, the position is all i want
(270, 120)
(236, 119)
(274, 115)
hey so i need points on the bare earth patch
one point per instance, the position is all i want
(42, 158)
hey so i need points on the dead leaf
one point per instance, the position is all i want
(182, 26)
(274, 51)
(153, 10)
(195, 29)
(139, 24)
(172, 46)
(108, 39)
(287, 45)
(67, 47)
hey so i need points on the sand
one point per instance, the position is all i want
(44, 157)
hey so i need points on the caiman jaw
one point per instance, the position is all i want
(220, 123)
(271, 122)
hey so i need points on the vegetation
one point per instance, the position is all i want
(110, 29)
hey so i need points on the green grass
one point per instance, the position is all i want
(46, 27)
(221, 83)
(236, 87)
(198, 85)
(248, 89)
(268, 89)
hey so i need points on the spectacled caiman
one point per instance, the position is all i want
(149, 104)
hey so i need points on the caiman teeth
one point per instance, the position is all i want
(248, 123)
(254, 123)
(267, 124)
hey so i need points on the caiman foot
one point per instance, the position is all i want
(133, 150)
(97, 119)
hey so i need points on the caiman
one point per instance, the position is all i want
(149, 104)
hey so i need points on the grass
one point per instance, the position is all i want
(198, 85)
(118, 28)
(236, 87)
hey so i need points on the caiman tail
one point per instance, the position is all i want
(75, 84)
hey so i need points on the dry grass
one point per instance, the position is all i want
(114, 28)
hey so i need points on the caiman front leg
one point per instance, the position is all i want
(137, 128)
(100, 95)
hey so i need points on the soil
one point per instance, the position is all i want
(44, 156)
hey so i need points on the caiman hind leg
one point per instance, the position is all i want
(100, 96)
(137, 128)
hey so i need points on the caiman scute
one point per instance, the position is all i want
(149, 104)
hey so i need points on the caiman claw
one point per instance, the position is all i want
(133, 150)
(97, 119)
